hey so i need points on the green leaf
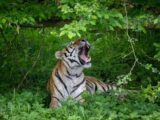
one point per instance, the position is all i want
(71, 34)
(4, 20)
(155, 21)
(106, 16)
(148, 66)
(62, 33)
(94, 17)
(1, 26)
(141, 28)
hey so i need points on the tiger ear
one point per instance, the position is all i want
(58, 54)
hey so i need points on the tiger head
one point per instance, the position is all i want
(76, 54)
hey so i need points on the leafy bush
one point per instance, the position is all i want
(29, 105)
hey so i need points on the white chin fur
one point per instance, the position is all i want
(87, 65)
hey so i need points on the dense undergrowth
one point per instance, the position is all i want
(30, 105)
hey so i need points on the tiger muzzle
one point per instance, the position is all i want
(84, 54)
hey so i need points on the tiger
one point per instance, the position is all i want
(67, 78)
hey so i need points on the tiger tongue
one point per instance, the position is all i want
(84, 57)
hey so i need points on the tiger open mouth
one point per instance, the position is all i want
(84, 54)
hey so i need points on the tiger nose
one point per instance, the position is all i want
(84, 40)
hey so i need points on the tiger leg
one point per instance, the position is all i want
(54, 102)
(80, 99)
(93, 85)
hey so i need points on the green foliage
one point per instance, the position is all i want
(29, 105)
(22, 12)
(157, 56)
(152, 93)
(87, 16)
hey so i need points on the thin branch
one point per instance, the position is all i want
(33, 65)
(133, 66)
(127, 54)
(130, 40)
(4, 37)
(27, 73)
(44, 24)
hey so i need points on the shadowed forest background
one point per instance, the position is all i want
(125, 39)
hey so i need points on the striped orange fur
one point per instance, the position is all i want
(68, 79)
